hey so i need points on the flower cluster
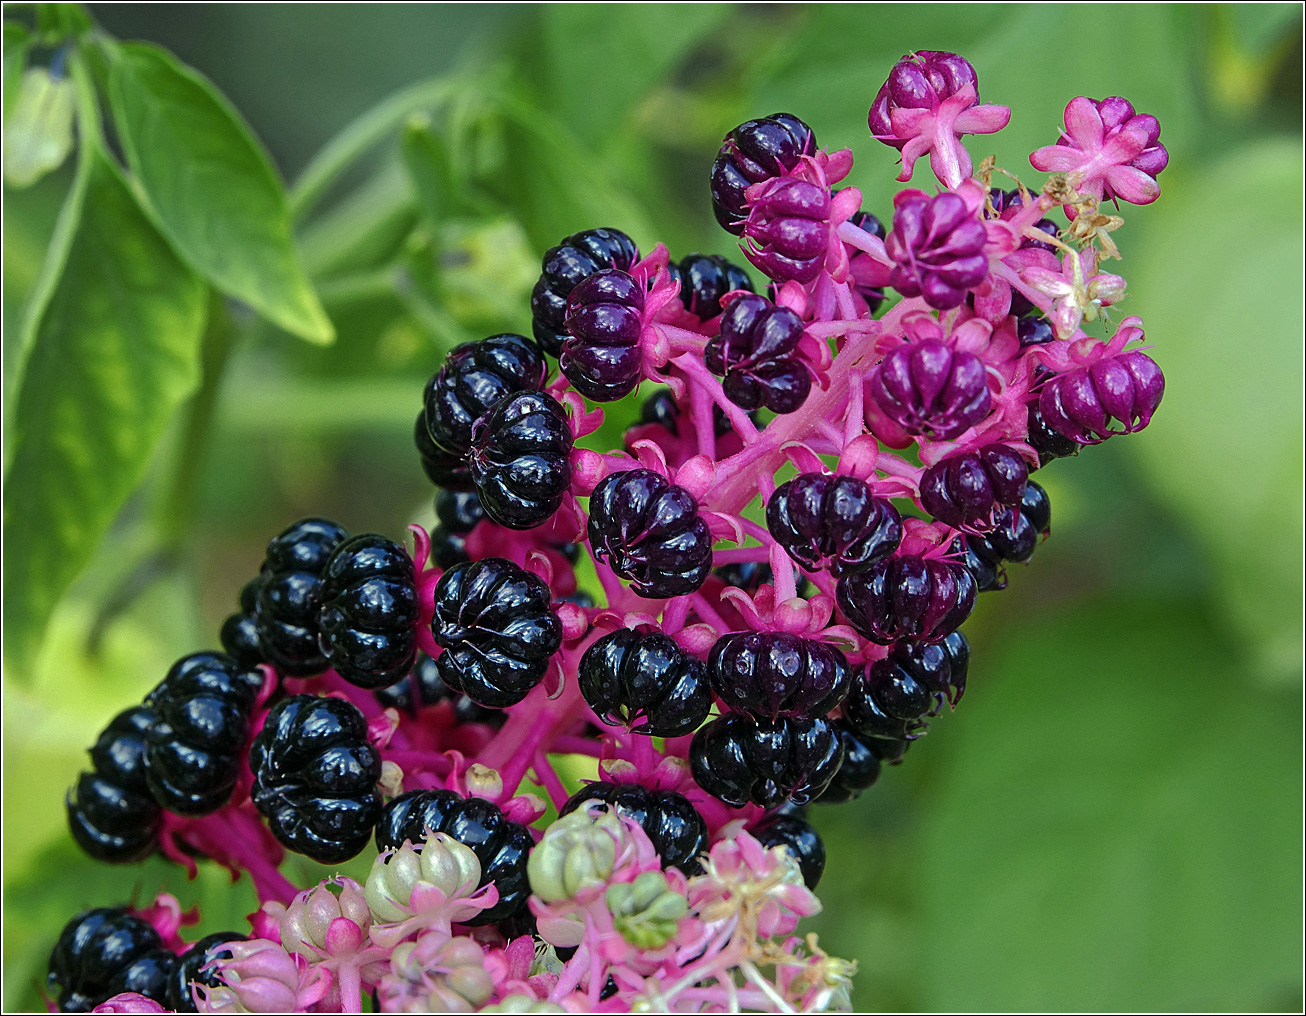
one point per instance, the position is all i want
(915, 370)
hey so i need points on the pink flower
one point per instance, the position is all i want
(1107, 151)
(261, 976)
(1077, 295)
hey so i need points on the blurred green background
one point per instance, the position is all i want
(1112, 819)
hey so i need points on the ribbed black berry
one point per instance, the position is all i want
(673, 824)
(833, 522)
(286, 609)
(645, 681)
(660, 409)
(448, 549)
(458, 511)
(768, 675)
(423, 687)
(315, 777)
(967, 489)
(1018, 530)
(474, 378)
(564, 268)
(756, 356)
(739, 759)
(982, 561)
(860, 767)
(496, 627)
(521, 459)
(704, 279)
(893, 698)
(907, 597)
(444, 469)
(798, 837)
(501, 845)
(102, 952)
(111, 813)
(190, 968)
(368, 622)
(601, 354)
(648, 530)
(239, 633)
(1034, 330)
(754, 151)
(194, 746)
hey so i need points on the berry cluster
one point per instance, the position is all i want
(915, 371)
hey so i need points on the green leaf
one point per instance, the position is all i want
(60, 21)
(1225, 448)
(211, 188)
(426, 157)
(114, 350)
(1115, 824)
(17, 40)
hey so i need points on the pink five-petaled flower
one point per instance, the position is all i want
(1077, 294)
(928, 102)
(1107, 151)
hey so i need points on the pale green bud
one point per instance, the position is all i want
(442, 862)
(579, 849)
(646, 911)
(524, 1003)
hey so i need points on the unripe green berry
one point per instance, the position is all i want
(579, 849)
(646, 911)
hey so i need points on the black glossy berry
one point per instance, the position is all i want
(673, 824)
(646, 682)
(1020, 527)
(190, 968)
(754, 151)
(239, 632)
(739, 759)
(149, 975)
(768, 675)
(966, 490)
(444, 469)
(501, 845)
(1034, 330)
(315, 777)
(194, 746)
(564, 268)
(448, 549)
(458, 511)
(368, 623)
(893, 698)
(601, 354)
(288, 599)
(704, 279)
(833, 522)
(111, 813)
(423, 687)
(981, 560)
(98, 950)
(907, 597)
(498, 632)
(757, 357)
(798, 837)
(860, 767)
(474, 378)
(648, 530)
(1046, 441)
(521, 459)
(873, 295)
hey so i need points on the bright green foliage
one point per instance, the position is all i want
(113, 354)
(1233, 390)
(211, 188)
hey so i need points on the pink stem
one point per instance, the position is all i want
(709, 613)
(736, 555)
(351, 991)
(701, 409)
(515, 771)
(786, 583)
(674, 614)
(694, 369)
(853, 422)
(549, 780)
(567, 744)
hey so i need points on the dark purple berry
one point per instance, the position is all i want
(190, 968)
(673, 824)
(907, 597)
(521, 459)
(315, 776)
(768, 675)
(474, 378)
(1020, 527)
(860, 768)
(932, 389)
(501, 845)
(966, 490)
(111, 813)
(289, 595)
(601, 353)
(628, 676)
(424, 687)
(937, 245)
(660, 408)
(981, 560)
(201, 720)
(369, 611)
(750, 576)
(754, 151)
(1034, 331)
(739, 759)
(149, 975)
(447, 549)
(893, 699)
(757, 356)
(95, 951)
(458, 511)
(920, 80)
(564, 268)
(704, 279)
(1082, 403)
(1046, 441)
(442, 468)
(498, 632)
(832, 522)
(787, 232)
(798, 837)
(648, 530)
